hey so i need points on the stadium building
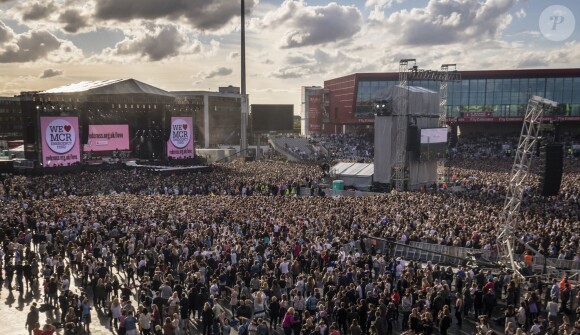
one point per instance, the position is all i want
(490, 101)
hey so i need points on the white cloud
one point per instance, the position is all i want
(233, 55)
(154, 44)
(448, 21)
(37, 10)
(201, 14)
(307, 65)
(52, 15)
(49, 73)
(379, 3)
(73, 21)
(304, 25)
(219, 72)
(34, 45)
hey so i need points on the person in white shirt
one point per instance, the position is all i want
(535, 328)
(234, 257)
(65, 285)
(145, 321)
(284, 266)
(552, 309)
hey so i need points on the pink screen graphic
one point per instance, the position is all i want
(180, 144)
(108, 137)
(60, 141)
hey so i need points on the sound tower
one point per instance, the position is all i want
(553, 168)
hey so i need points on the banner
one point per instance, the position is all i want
(478, 114)
(180, 144)
(60, 140)
(108, 137)
(546, 118)
(315, 112)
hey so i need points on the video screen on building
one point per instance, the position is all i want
(267, 118)
(107, 137)
(433, 144)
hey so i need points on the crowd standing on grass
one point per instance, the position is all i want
(235, 248)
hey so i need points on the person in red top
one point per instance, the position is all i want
(563, 283)
(334, 330)
(489, 286)
(396, 299)
(48, 329)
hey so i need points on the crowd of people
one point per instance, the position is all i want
(236, 249)
(351, 147)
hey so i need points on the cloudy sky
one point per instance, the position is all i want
(194, 44)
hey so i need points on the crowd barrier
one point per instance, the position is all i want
(450, 255)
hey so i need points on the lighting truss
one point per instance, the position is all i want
(407, 73)
(529, 136)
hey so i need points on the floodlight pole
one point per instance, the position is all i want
(244, 100)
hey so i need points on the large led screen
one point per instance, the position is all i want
(267, 118)
(108, 137)
(180, 144)
(60, 140)
(433, 144)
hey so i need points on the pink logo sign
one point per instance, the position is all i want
(181, 143)
(60, 140)
(180, 133)
(60, 136)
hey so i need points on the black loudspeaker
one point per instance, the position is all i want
(84, 126)
(29, 134)
(413, 138)
(553, 168)
(453, 136)
(167, 125)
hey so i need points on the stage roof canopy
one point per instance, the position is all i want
(108, 87)
(353, 169)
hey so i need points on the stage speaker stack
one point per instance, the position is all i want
(413, 141)
(413, 138)
(84, 125)
(553, 169)
(29, 131)
(453, 136)
(167, 125)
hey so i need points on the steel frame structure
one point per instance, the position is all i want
(443, 90)
(529, 136)
(443, 85)
(400, 140)
(407, 73)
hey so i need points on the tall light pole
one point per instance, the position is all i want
(244, 100)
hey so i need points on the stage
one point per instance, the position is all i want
(162, 169)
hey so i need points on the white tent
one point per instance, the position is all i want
(357, 175)
(17, 152)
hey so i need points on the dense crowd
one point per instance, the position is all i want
(236, 248)
(353, 147)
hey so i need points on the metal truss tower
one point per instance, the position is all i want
(536, 108)
(443, 91)
(443, 84)
(407, 73)
(401, 139)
